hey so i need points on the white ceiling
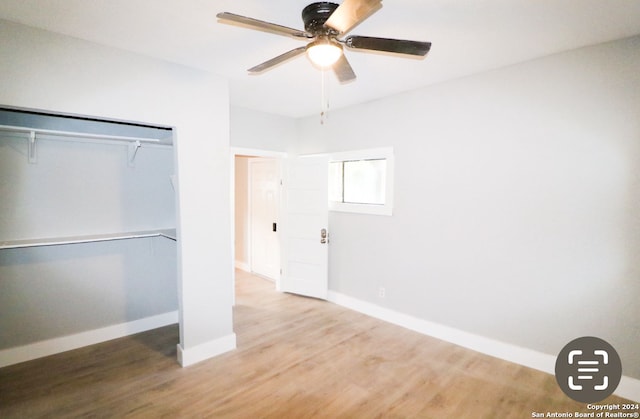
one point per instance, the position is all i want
(468, 36)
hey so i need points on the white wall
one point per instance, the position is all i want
(52, 72)
(262, 131)
(82, 189)
(517, 194)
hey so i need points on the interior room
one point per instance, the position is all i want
(416, 230)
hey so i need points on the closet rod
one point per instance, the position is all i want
(78, 134)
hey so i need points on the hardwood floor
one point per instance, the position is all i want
(296, 358)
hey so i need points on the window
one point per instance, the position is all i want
(361, 181)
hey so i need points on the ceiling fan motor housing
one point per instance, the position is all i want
(315, 15)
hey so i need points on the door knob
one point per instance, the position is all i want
(323, 236)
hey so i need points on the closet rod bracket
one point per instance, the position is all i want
(33, 156)
(133, 150)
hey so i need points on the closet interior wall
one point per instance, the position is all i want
(79, 187)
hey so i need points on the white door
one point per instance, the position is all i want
(305, 235)
(264, 201)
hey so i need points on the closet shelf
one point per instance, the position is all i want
(83, 136)
(55, 241)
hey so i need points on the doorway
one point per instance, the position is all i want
(256, 186)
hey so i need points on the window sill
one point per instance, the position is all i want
(369, 209)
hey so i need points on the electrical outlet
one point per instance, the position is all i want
(382, 292)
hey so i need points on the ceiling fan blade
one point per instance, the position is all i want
(398, 46)
(343, 70)
(351, 13)
(267, 65)
(262, 25)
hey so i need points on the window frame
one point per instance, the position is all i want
(384, 153)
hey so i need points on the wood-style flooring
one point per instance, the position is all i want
(296, 358)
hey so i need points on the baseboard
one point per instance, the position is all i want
(206, 350)
(243, 266)
(53, 346)
(628, 388)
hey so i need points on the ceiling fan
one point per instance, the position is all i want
(324, 23)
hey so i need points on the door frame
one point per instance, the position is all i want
(252, 152)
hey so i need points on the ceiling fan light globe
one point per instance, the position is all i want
(324, 53)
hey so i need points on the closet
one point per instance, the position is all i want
(87, 231)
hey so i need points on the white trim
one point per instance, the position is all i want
(385, 153)
(628, 388)
(243, 266)
(256, 152)
(369, 209)
(53, 346)
(364, 154)
(198, 353)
